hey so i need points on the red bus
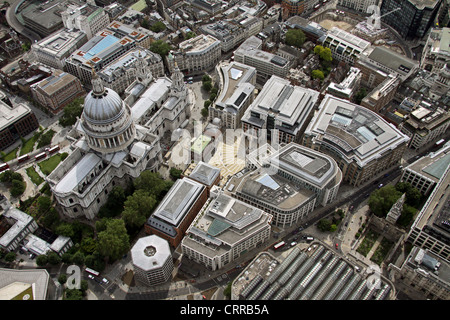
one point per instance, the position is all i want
(92, 271)
(40, 156)
(279, 245)
(3, 167)
(23, 158)
(53, 149)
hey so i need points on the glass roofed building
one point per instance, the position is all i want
(289, 183)
(223, 231)
(359, 140)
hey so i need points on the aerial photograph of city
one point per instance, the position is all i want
(222, 155)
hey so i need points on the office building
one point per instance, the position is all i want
(347, 87)
(425, 124)
(57, 91)
(15, 225)
(57, 47)
(425, 273)
(266, 64)
(103, 49)
(430, 230)
(177, 210)
(121, 73)
(292, 7)
(152, 260)
(288, 183)
(281, 110)
(424, 173)
(410, 18)
(358, 5)
(196, 55)
(382, 95)
(225, 230)
(237, 82)
(436, 52)
(15, 121)
(344, 45)
(31, 284)
(206, 174)
(377, 63)
(362, 142)
(44, 18)
(88, 18)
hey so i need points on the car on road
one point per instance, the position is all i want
(337, 246)
(90, 276)
(293, 244)
(105, 281)
(380, 185)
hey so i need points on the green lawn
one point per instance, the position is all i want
(11, 155)
(28, 145)
(367, 243)
(34, 176)
(382, 250)
(47, 166)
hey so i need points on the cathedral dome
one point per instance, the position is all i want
(102, 105)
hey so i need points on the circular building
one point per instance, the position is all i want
(152, 260)
(106, 119)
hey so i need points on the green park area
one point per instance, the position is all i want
(47, 166)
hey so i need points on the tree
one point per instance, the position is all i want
(73, 294)
(175, 173)
(71, 112)
(359, 96)
(18, 188)
(189, 35)
(65, 229)
(45, 139)
(78, 258)
(406, 216)
(41, 260)
(138, 208)
(205, 112)
(62, 278)
(152, 183)
(413, 196)
(317, 74)
(114, 242)
(160, 47)
(10, 256)
(382, 200)
(324, 225)
(158, 27)
(207, 86)
(295, 37)
(323, 53)
(53, 258)
(44, 204)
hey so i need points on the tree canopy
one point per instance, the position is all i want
(323, 53)
(295, 37)
(382, 200)
(71, 112)
(113, 242)
(138, 208)
(160, 47)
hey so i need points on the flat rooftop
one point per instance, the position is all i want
(205, 173)
(305, 163)
(10, 115)
(356, 131)
(435, 214)
(178, 201)
(291, 105)
(433, 165)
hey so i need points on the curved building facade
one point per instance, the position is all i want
(106, 120)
